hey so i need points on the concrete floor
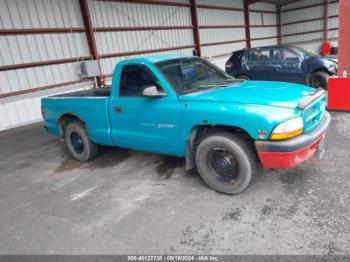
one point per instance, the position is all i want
(128, 202)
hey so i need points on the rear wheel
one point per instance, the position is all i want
(79, 144)
(226, 162)
(245, 77)
(319, 79)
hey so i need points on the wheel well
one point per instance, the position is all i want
(199, 133)
(66, 119)
(317, 70)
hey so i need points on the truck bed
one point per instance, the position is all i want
(97, 92)
(89, 105)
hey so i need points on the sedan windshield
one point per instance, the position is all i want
(305, 52)
(188, 75)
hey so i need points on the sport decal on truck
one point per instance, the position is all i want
(166, 126)
(158, 125)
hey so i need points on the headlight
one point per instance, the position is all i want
(332, 68)
(288, 129)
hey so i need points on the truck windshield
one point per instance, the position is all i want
(188, 75)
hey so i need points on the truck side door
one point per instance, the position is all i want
(144, 123)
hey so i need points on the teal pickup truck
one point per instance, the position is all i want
(187, 107)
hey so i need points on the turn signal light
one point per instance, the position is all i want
(284, 136)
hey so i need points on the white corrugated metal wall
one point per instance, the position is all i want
(293, 22)
(29, 48)
(19, 49)
(263, 25)
(268, 20)
(115, 14)
(32, 47)
(218, 18)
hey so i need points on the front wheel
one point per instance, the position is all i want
(319, 79)
(78, 142)
(226, 162)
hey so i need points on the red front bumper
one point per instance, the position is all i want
(291, 152)
(283, 160)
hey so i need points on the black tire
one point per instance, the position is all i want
(319, 79)
(78, 142)
(244, 77)
(233, 149)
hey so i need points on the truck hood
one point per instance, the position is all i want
(279, 94)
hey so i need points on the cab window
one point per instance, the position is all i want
(134, 79)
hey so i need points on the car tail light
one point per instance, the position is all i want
(229, 64)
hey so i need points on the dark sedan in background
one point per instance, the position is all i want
(282, 63)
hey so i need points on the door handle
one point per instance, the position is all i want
(118, 109)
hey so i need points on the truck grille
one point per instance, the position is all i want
(313, 113)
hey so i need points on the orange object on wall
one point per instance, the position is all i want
(339, 93)
(326, 49)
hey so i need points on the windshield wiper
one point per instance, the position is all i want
(203, 87)
(223, 84)
(208, 86)
(191, 90)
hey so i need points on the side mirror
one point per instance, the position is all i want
(152, 91)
